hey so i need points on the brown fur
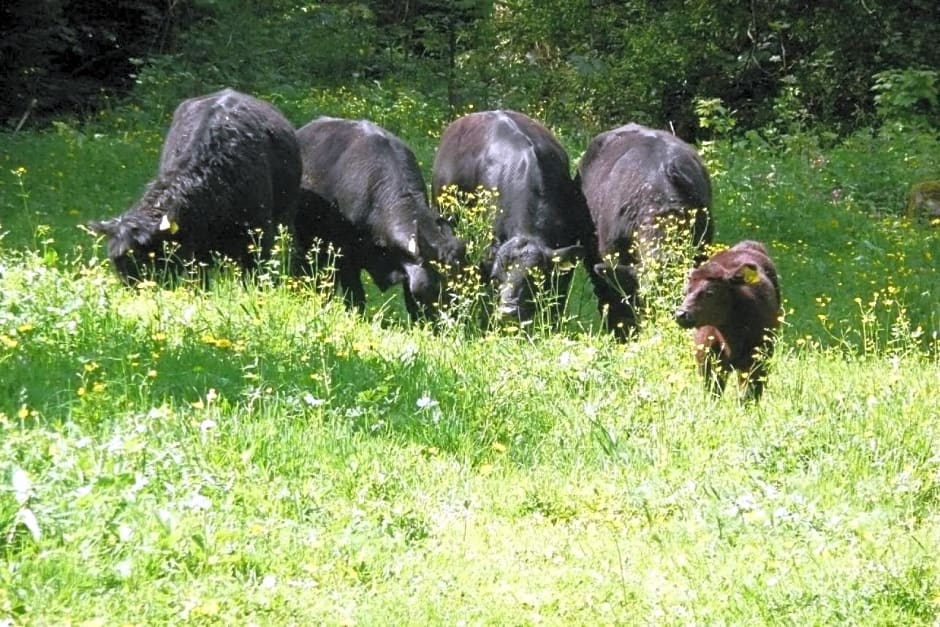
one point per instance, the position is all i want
(733, 301)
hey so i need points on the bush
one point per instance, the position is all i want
(70, 56)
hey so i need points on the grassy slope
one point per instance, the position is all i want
(257, 454)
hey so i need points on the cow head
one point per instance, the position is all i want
(135, 242)
(449, 249)
(710, 293)
(523, 265)
(623, 278)
(425, 286)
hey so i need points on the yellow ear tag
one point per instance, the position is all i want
(169, 225)
(750, 275)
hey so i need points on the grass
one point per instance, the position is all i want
(254, 454)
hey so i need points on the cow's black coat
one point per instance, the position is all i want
(362, 191)
(634, 178)
(542, 219)
(229, 174)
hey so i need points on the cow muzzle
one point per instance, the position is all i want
(684, 318)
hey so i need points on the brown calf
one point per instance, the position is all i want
(733, 301)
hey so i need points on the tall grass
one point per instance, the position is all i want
(253, 453)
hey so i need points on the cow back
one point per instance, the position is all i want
(372, 180)
(632, 175)
(229, 172)
(240, 151)
(510, 152)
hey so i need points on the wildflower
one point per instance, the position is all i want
(124, 569)
(218, 342)
(313, 401)
(22, 486)
(426, 402)
(197, 501)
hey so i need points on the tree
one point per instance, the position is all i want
(63, 55)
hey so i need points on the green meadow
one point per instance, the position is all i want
(255, 454)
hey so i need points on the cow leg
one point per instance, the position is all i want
(617, 298)
(710, 353)
(714, 374)
(349, 281)
(415, 310)
(753, 382)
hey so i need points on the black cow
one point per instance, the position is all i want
(362, 191)
(229, 174)
(542, 222)
(646, 189)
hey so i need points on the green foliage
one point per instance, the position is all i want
(268, 49)
(714, 115)
(473, 215)
(72, 56)
(907, 97)
(596, 65)
(603, 64)
(834, 221)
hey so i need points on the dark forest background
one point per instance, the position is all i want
(834, 65)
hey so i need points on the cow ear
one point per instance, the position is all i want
(746, 274)
(109, 228)
(567, 258)
(129, 232)
(451, 221)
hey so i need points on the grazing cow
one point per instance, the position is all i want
(648, 193)
(733, 300)
(362, 191)
(542, 223)
(229, 174)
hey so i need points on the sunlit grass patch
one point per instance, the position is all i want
(253, 443)
(250, 452)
